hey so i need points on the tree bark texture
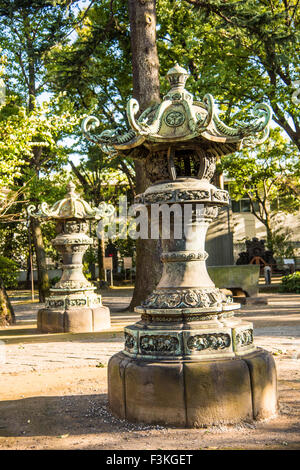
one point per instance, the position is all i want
(145, 69)
(101, 255)
(145, 64)
(43, 279)
(7, 315)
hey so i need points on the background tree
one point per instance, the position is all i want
(28, 31)
(269, 176)
(146, 90)
(103, 179)
(242, 52)
(8, 267)
(97, 69)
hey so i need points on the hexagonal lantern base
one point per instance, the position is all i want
(187, 393)
(73, 314)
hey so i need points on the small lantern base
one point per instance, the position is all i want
(193, 393)
(73, 314)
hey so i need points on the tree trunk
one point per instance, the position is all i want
(145, 68)
(269, 236)
(7, 314)
(101, 255)
(28, 273)
(37, 237)
(265, 218)
(43, 279)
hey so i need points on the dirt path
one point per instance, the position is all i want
(53, 387)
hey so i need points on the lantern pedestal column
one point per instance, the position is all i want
(73, 305)
(189, 361)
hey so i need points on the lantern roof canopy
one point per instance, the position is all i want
(72, 206)
(182, 120)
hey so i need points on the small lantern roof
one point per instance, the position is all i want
(72, 206)
(182, 120)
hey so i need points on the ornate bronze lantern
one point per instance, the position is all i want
(189, 361)
(72, 306)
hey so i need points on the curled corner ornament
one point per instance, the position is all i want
(141, 125)
(90, 123)
(261, 125)
(43, 210)
(247, 131)
(209, 102)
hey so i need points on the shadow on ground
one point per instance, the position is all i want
(84, 422)
(31, 335)
(54, 416)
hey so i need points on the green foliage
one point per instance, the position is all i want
(281, 244)
(23, 132)
(126, 247)
(9, 272)
(269, 176)
(95, 69)
(241, 52)
(269, 171)
(89, 256)
(54, 280)
(14, 241)
(29, 29)
(240, 57)
(31, 129)
(50, 187)
(86, 271)
(103, 178)
(291, 283)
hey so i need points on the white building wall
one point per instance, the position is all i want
(247, 226)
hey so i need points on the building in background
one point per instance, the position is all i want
(245, 225)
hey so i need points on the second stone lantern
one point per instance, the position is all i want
(189, 361)
(73, 306)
